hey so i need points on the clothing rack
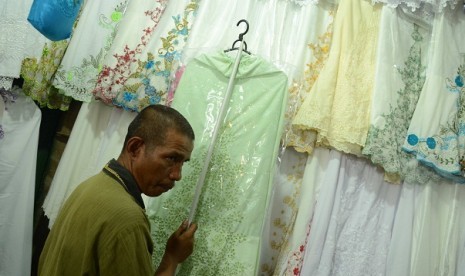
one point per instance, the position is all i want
(242, 47)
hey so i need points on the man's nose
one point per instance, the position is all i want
(175, 173)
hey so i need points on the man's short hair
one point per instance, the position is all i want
(153, 123)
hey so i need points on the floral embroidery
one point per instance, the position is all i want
(37, 77)
(303, 141)
(383, 144)
(150, 81)
(219, 241)
(445, 151)
(119, 74)
(79, 81)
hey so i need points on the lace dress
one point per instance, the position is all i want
(77, 74)
(400, 76)
(338, 105)
(436, 135)
(238, 183)
(145, 53)
(18, 39)
(353, 218)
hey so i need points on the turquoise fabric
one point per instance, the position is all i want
(235, 195)
(54, 18)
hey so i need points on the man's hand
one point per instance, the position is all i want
(179, 246)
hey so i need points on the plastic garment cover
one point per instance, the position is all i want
(235, 194)
(54, 18)
(18, 154)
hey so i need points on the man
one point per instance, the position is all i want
(102, 229)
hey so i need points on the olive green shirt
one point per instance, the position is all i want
(101, 230)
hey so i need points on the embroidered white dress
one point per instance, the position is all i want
(145, 53)
(400, 74)
(77, 74)
(436, 135)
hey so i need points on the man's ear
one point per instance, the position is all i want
(135, 146)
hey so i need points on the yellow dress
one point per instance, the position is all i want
(336, 112)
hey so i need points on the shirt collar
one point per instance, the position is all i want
(125, 178)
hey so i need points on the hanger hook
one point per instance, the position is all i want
(241, 35)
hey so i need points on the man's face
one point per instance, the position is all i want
(156, 169)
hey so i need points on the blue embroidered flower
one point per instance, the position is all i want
(146, 81)
(459, 81)
(150, 90)
(149, 64)
(128, 96)
(412, 139)
(154, 99)
(431, 142)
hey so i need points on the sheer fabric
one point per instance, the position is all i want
(400, 75)
(353, 219)
(291, 211)
(337, 107)
(18, 152)
(236, 192)
(97, 136)
(77, 74)
(436, 135)
(139, 70)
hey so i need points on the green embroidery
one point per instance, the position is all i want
(217, 214)
(38, 76)
(384, 144)
(79, 81)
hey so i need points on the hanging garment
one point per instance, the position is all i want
(38, 73)
(77, 74)
(438, 229)
(235, 195)
(352, 223)
(297, 184)
(427, 7)
(302, 140)
(400, 74)
(54, 18)
(337, 107)
(18, 39)
(18, 155)
(138, 69)
(436, 135)
(97, 136)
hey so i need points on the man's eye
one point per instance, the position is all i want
(171, 158)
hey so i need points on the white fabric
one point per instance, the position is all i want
(438, 229)
(18, 39)
(353, 218)
(97, 136)
(18, 156)
(278, 30)
(77, 75)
